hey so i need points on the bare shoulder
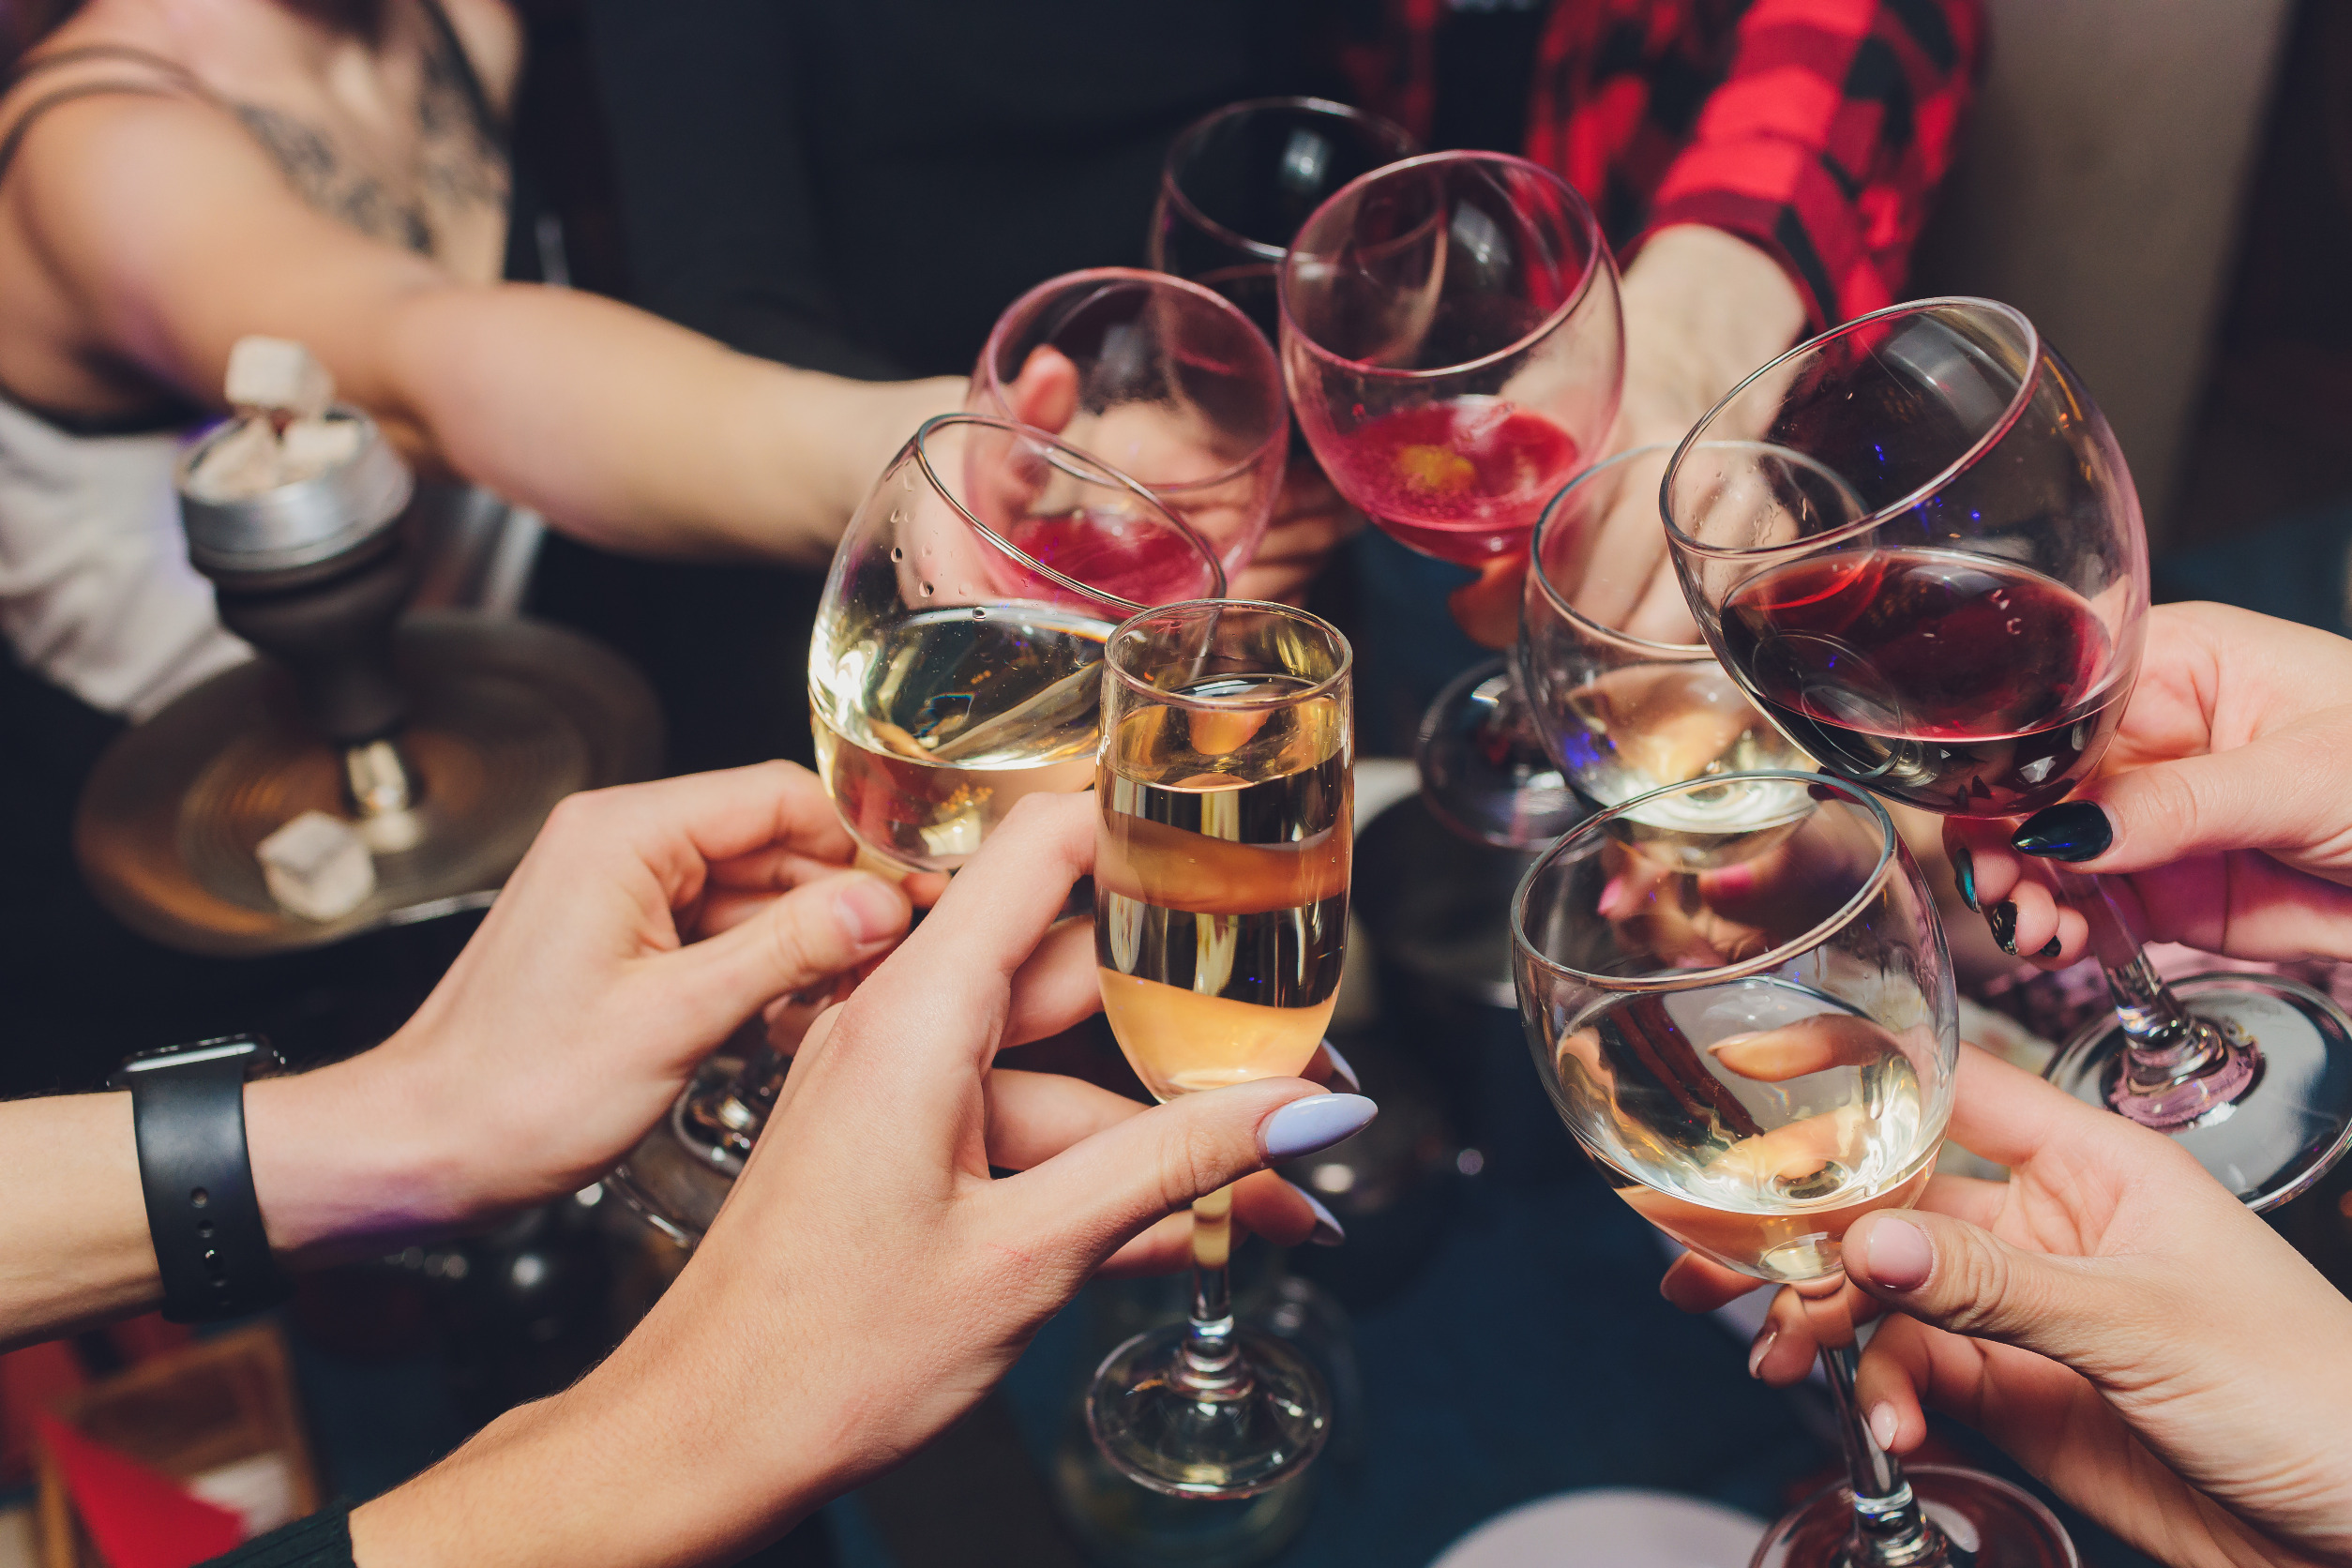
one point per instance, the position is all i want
(492, 35)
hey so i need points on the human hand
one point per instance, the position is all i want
(645, 925)
(2112, 1318)
(867, 1280)
(2220, 804)
(1310, 522)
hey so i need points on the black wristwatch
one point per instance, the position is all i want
(188, 1103)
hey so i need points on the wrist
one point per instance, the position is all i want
(348, 1157)
(1703, 309)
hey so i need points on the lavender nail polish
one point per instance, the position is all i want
(1314, 1123)
(1327, 1230)
(1343, 1075)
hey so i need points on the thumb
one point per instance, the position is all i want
(1105, 1188)
(1950, 1273)
(1046, 393)
(2282, 792)
(817, 930)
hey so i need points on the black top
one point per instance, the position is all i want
(321, 1541)
(862, 186)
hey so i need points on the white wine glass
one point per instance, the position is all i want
(1752, 1031)
(1220, 923)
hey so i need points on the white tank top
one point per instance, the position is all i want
(95, 592)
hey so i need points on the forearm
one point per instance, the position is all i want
(639, 435)
(1703, 309)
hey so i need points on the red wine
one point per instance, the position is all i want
(1958, 682)
(1138, 559)
(1463, 480)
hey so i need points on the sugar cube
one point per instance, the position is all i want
(280, 375)
(312, 446)
(317, 866)
(239, 465)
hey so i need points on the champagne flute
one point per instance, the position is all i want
(1915, 544)
(1453, 340)
(1752, 1031)
(1624, 713)
(1220, 921)
(1238, 182)
(955, 668)
(1160, 378)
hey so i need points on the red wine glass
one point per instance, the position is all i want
(1914, 542)
(1454, 349)
(1161, 379)
(1238, 182)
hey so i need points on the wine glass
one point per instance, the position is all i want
(1220, 921)
(1159, 377)
(955, 668)
(1624, 713)
(1238, 182)
(1752, 1031)
(1452, 337)
(1915, 544)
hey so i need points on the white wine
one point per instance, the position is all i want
(928, 729)
(1752, 1122)
(1221, 884)
(1649, 725)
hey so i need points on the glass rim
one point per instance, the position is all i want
(1889, 847)
(1259, 249)
(1229, 704)
(1280, 434)
(1682, 652)
(919, 444)
(1579, 209)
(1976, 450)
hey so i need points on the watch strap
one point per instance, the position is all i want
(210, 1244)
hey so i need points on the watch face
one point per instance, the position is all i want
(253, 1047)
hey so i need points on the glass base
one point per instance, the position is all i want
(2293, 1120)
(1483, 769)
(674, 1179)
(1122, 1525)
(1230, 1447)
(1986, 1523)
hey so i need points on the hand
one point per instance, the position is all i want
(1310, 522)
(1702, 309)
(2141, 1342)
(646, 924)
(867, 1280)
(2220, 804)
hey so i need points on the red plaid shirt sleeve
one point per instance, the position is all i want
(1818, 131)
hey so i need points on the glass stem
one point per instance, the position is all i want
(1210, 1365)
(2178, 1067)
(1889, 1529)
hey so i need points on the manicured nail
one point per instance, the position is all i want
(1963, 874)
(1615, 900)
(2049, 949)
(2075, 830)
(869, 911)
(1762, 1348)
(1732, 881)
(1342, 1074)
(1882, 1424)
(2002, 918)
(1900, 1257)
(1314, 1123)
(1327, 1230)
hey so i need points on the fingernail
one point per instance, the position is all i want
(1614, 900)
(1314, 1123)
(1762, 1348)
(1899, 1254)
(1341, 1073)
(1327, 1230)
(869, 910)
(1882, 1424)
(2002, 918)
(1963, 874)
(1732, 881)
(2049, 949)
(2075, 830)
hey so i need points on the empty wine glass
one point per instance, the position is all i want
(1623, 713)
(955, 668)
(1752, 1031)
(1238, 182)
(1158, 377)
(1914, 542)
(1220, 925)
(1451, 338)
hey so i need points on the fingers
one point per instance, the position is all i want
(1107, 1188)
(680, 827)
(1046, 393)
(1696, 1284)
(1489, 608)
(1264, 1204)
(2009, 1116)
(807, 936)
(1057, 987)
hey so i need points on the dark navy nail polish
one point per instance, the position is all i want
(2073, 830)
(1963, 873)
(2002, 918)
(2049, 949)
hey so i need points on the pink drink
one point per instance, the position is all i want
(1135, 558)
(1463, 480)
